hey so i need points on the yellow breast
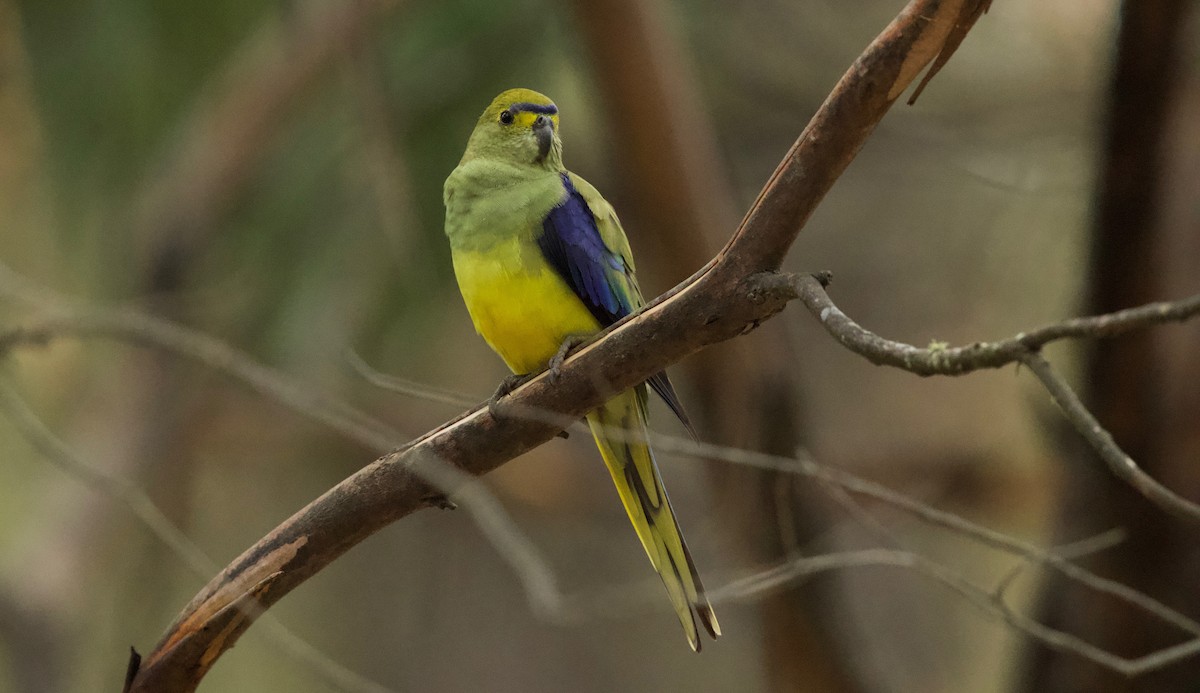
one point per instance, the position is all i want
(519, 305)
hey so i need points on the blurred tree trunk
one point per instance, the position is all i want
(1143, 388)
(745, 392)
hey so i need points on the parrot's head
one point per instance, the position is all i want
(520, 127)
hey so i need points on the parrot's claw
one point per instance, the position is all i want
(556, 361)
(510, 383)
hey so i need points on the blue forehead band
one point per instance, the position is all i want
(549, 109)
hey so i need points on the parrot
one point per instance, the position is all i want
(542, 263)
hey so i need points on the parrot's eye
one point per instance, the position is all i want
(506, 117)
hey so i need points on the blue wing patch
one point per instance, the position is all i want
(572, 245)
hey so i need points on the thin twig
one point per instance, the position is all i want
(136, 328)
(860, 514)
(119, 490)
(940, 359)
(403, 386)
(513, 546)
(754, 585)
(1023, 348)
(1100, 440)
(805, 466)
(1071, 552)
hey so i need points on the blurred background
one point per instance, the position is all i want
(270, 173)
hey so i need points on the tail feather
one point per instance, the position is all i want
(619, 427)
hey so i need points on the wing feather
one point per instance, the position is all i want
(583, 241)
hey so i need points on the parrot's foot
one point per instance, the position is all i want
(506, 386)
(510, 383)
(556, 361)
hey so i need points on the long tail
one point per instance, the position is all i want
(619, 427)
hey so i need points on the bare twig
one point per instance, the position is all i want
(137, 328)
(983, 599)
(402, 386)
(513, 546)
(1023, 348)
(806, 466)
(1094, 544)
(754, 586)
(1071, 552)
(947, 360)
(860, 514)
(119, 490)
(1100, 440)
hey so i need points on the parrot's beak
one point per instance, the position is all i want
(543, 129)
